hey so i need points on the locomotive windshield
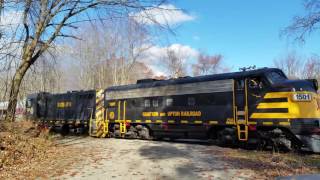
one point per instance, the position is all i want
(276, 77)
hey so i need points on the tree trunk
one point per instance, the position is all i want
(14, 91)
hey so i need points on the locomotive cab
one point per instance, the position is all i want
(31, 106)
(36, 106)
(292, 106)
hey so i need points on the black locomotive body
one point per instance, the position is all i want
(177, 108)
(258, 107)
(71, 109)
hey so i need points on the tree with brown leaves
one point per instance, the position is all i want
(207, 64)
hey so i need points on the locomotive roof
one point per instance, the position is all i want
(183, 80)
(81, 92)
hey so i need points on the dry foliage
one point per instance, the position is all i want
(271, 165)
(27, 151)
(297, 67)
(20, 144)
(207, 64)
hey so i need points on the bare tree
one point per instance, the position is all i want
(45, 21)
(305, 25)
(291, 65)
(297, 67)
(174, 64)
(311, 68)
(43, 76)
(207, 64)
(139, 71)
(110, 56)
(160, 77)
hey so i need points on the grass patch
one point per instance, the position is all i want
(268, 164)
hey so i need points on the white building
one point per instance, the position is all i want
(19, 110)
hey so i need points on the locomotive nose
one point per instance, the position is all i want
(298, 85)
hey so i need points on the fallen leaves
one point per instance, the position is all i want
(268, 164)
(32, 153)
(28, 152)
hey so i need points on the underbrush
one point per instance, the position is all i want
(270, 164)
(22, 143)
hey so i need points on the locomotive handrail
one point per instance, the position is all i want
(90, 122)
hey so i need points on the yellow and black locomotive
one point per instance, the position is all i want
(257, 107)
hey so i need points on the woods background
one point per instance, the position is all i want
(61, 45)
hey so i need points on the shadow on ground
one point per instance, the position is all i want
(162, 152)
(204, 159)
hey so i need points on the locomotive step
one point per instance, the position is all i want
(241, 121)
(241, 113)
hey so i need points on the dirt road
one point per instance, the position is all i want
(138, 159)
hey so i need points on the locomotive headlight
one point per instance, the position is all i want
(301, 97)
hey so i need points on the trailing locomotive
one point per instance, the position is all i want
(65, 110)
(257, 107)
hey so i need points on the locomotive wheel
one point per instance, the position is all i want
(160, 138)
(144, 133)
(226, 137)
(65, 129)
(139, 127)
(117, 133)
(132, 133)
(220, 139)
(280, 144)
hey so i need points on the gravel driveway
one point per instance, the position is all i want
(138, 159)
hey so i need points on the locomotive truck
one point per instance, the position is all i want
(259, 108)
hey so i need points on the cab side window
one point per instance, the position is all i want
(169, 101)
(256, 83)
(191, 101)
(147, 103)
(155, 103)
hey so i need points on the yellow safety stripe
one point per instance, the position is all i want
(284, 123)
(267, 123)
(272, 115)
(171, 121)
(273, 105)
(213, 122)
(252, 123)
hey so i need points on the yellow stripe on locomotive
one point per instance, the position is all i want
(297, 109)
